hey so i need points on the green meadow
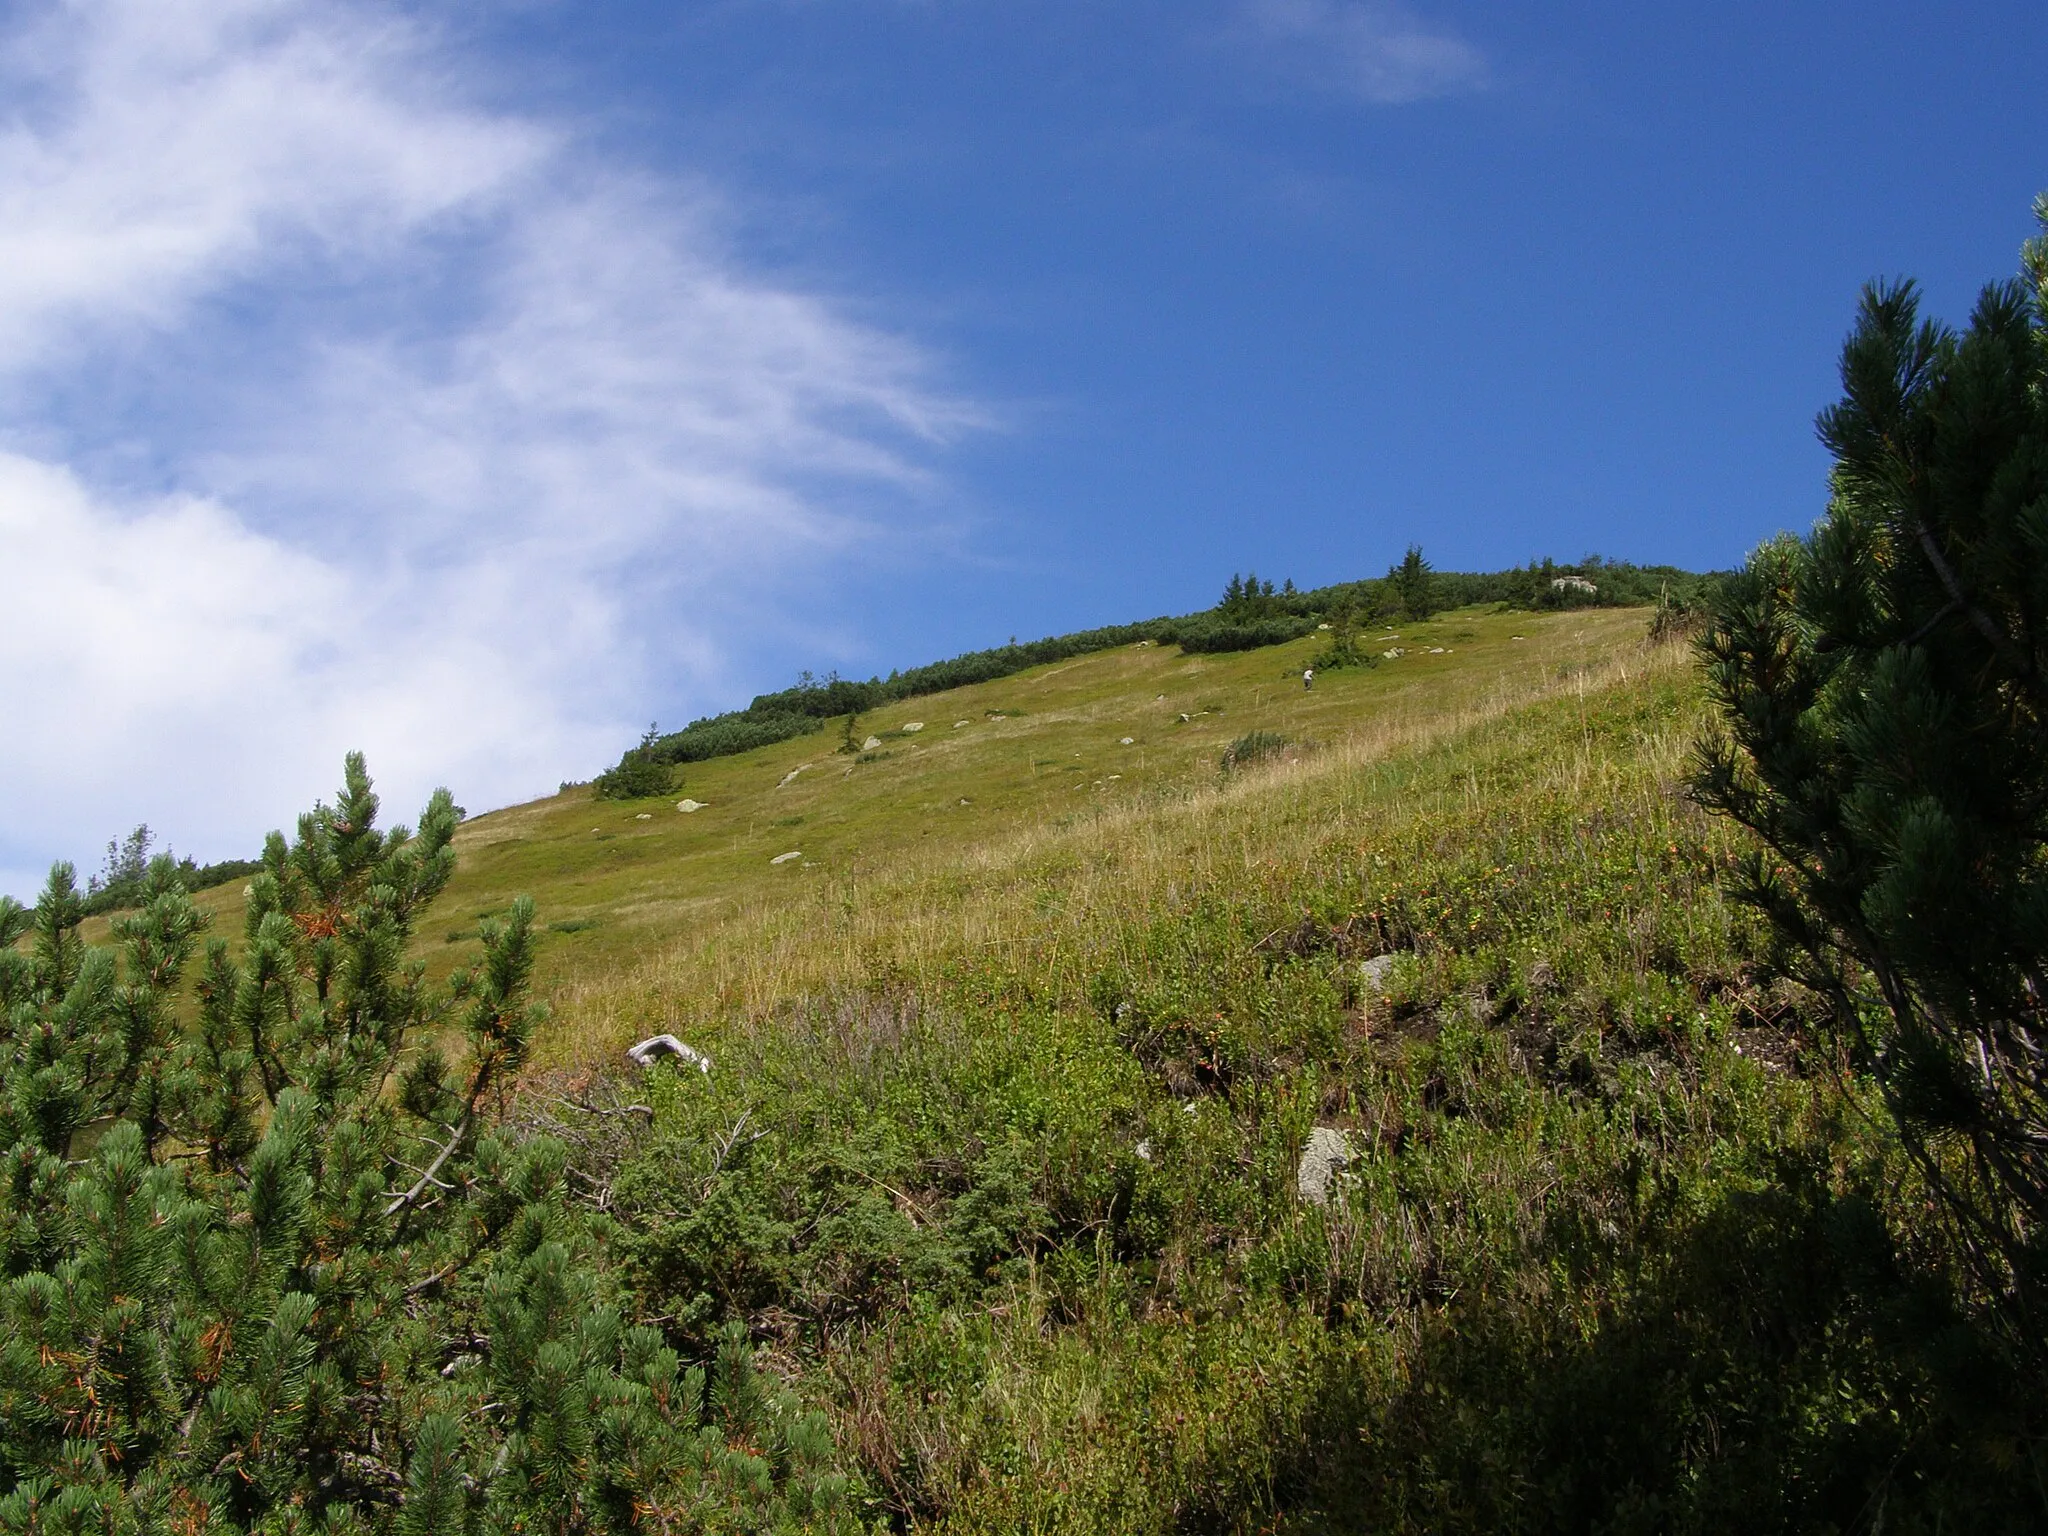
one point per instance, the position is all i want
(621, 882)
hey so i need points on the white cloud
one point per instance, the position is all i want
(166, 147)
(168, 663)
(1378, 52)
(431, 410)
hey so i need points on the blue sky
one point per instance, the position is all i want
(472, 383)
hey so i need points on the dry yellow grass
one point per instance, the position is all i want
(1054, 892)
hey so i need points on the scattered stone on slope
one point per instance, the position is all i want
(1125, 741)
(1323, 1162)
(645, 816)
(787, 777)
(872, 744)
(958, 723)
(660, 1047)
(1376, 971)
(784, 858)
(687, 806)
(912, 728)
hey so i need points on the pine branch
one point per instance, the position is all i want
(413, 1196)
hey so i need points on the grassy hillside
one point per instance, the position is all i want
(1028, 754)
(998, 1159)
(1014, 1068)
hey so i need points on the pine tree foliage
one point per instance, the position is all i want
(1414, 584)
(1885, 687)
(274, 1271)
(1247, 597)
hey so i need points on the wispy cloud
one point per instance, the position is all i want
(1380, 53)
(345, 411)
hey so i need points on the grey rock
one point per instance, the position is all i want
(784, 858)
(687, 806)
(872, 744)
(1323, 1162)
(1374, 972)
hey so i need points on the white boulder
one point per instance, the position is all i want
(660, 1047)
(687, 806)
(784, 858)
(872, 744)
(912, 728)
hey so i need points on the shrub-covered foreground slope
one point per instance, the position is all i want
(996, 1166)
(999, 1156)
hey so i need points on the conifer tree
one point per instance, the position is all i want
(278, 1272)
(1413, 583)
(642, 772)
(1884, 685)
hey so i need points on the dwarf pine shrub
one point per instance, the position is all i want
(271, 1267)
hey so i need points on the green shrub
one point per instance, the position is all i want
(278, 1273)
(641, 774)
(1252, 747)
(1885, 733)
(728, 735)
(1207, 634)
